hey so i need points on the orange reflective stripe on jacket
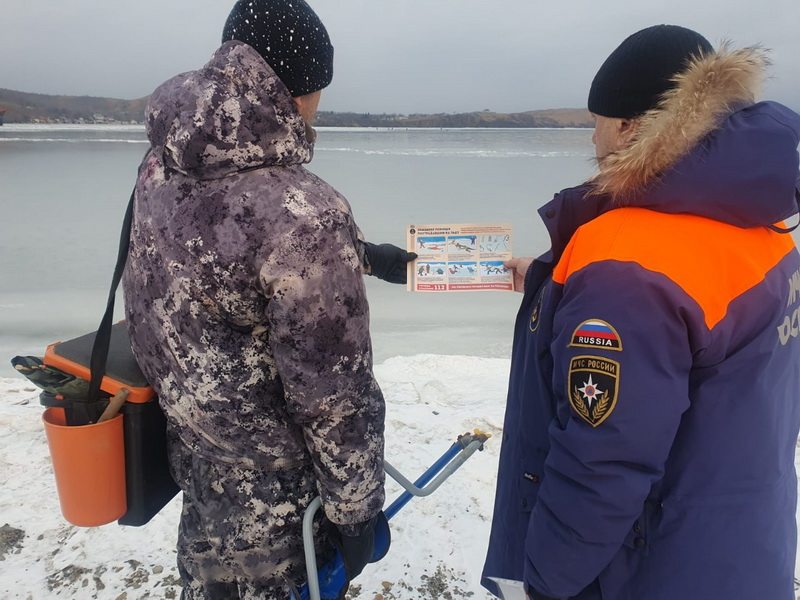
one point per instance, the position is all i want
(710, 261)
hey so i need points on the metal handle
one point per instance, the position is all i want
(446, 465)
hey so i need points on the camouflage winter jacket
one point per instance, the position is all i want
(244, 289)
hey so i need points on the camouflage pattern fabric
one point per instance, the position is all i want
(240, 533)
(50, 379)
(244, 289)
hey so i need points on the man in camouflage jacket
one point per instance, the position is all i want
(247, 309)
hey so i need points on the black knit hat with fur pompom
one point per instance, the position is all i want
(633, 78)
(290, 36)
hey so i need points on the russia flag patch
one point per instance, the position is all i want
(596, 334)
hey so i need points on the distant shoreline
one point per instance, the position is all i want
(23, 107)
(141, 127)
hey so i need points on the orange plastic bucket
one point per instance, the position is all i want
(89, 465)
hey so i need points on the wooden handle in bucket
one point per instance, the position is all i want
(114, 405)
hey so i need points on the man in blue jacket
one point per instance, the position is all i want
(649, 440)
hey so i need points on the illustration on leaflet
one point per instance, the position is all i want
(460, 257)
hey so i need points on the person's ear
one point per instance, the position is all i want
(626, 131)
(307, 104)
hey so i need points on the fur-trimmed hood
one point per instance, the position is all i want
(709, 149)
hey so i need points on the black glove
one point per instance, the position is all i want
(388, 262)
(359, 544)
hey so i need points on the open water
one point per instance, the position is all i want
(63, 192)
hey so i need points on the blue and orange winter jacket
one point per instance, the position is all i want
(654, 398)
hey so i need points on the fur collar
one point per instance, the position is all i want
(709, 89)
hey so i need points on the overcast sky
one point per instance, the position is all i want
(401, 56)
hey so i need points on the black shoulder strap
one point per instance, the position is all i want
(102, 339)
(793, 227)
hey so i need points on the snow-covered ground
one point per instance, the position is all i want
(438, 543)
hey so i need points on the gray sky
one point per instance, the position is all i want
(401, 56)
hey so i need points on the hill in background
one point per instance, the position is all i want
(22, 107)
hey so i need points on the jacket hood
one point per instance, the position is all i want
(232, 115)
(708, 149)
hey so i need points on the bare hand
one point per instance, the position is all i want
(520, 267)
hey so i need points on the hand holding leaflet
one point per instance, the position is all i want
(388, 262)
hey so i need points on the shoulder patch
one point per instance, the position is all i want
(595, 333)
(592, 387)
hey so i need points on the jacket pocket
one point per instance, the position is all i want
(638, 538)
(625, 577)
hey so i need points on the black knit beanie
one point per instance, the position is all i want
(290, 37)
(633, 78)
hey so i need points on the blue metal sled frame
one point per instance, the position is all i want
(426, 484)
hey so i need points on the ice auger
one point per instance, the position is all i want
(326, 583)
